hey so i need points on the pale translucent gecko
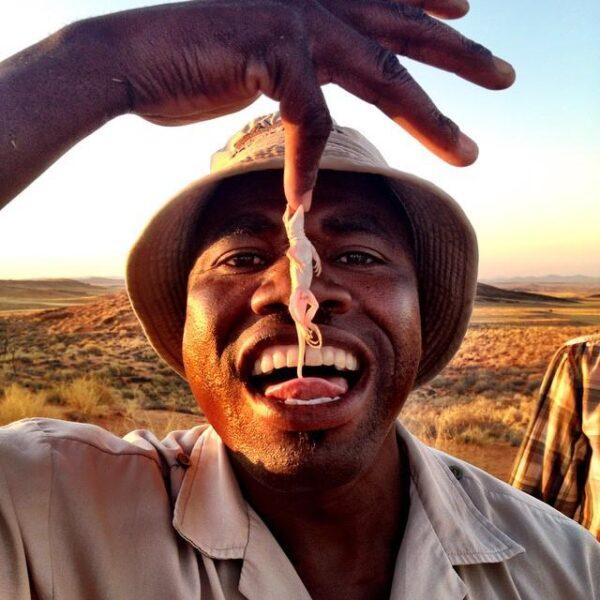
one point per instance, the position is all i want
(303, 305)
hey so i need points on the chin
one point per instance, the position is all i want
(305, 463)
(310, 460)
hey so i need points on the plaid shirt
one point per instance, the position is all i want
(559, 460)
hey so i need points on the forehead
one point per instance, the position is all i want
(342, 203)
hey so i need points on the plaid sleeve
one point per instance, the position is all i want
(590, 511)
(554, 457)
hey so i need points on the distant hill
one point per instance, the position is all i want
(115, 282)
(48, 288)
(112, 313)
(564, 286)
(579, 279)
(27, 294)
(108, 314)
(490, 293)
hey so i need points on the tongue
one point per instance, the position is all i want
(306, 388)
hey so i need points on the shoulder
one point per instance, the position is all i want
(24, 440)
(548, 537)
(491, 495)
(54, 473)
(584, 340)
(34, 445)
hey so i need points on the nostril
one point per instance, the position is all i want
(265, 307)
(335, 305)
(332, 297)
(328, 307)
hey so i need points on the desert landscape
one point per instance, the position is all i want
(73, 349)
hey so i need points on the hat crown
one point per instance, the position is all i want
(263, 139)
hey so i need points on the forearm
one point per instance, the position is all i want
(52, 95)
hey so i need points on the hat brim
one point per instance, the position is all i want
(445, 248)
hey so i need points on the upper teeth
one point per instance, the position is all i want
(277, 357)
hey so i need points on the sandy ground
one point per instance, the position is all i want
(496, 459)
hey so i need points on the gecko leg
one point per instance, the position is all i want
(317, 261)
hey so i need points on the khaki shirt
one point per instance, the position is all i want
(87, 515)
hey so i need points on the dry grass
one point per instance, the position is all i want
(487, 392)
(86, 398)
(89, 400)
(477, 419)
(17, 402)
(160, 422)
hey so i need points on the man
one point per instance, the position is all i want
(274, 500)
(559, 460)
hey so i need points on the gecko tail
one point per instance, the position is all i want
(315, 337)
(301, 349)
(303, 308)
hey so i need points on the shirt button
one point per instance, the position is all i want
(456, 471)
(183, 459)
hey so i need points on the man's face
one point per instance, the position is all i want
(237, 314)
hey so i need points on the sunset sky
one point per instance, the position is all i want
(533, 196)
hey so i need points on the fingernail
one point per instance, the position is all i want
(467, 149)
(462, 5)
(306, 200)
(504, 68)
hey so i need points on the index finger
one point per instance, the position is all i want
(307, 124)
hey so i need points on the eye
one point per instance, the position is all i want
(244, 260)
(358, 258)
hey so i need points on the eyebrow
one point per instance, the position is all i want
(356, 224)
(245, 224)
(255, 224)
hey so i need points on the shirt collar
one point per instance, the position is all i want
(210, 511)
(466, 535)
(444, 529)
(212, 515)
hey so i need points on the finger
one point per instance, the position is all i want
(375, 75)
(307, 125)
(411, 32)
(443, 9)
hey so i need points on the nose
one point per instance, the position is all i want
(273, 294)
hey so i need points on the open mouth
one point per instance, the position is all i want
(329, 374)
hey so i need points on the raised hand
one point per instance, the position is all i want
(181, 63)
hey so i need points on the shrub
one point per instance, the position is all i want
(17, 402)
(475, 420)
(87, 397)
(93, 350)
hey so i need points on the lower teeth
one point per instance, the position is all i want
(298, 402)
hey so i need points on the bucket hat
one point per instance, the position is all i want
(444, 242)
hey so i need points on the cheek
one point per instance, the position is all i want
(213, 306)
(209, 313)
(395, 307)
(217, 310)
(199, 331)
